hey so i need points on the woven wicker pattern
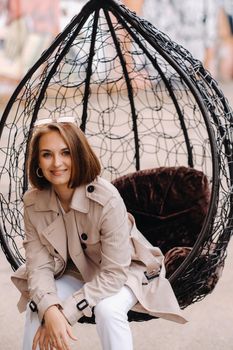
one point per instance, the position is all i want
(143, 102)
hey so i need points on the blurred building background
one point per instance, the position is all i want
(26, 29)
(204, 27)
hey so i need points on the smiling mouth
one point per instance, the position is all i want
(58, 172)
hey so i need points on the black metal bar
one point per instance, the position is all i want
(89, 72)
(129, 88)
(15, 263)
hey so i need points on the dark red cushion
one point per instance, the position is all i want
(169, 204)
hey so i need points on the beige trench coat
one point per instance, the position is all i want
(102, 240)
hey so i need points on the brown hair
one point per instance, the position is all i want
(85, 164)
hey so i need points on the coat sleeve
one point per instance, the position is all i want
(40, 267)
(115, 260)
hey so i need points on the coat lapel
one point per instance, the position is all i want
(55, 233)
(80, 201)
(47, 201)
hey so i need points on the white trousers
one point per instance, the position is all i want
(110, 316)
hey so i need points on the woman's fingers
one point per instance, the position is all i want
(42, 339)
(63, 343)
(53, 343)
(36, 339)
(57, 342)
(70, 333)
(46, 342)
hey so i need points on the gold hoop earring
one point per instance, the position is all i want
(38, 174)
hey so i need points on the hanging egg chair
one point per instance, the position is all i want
(160, 125)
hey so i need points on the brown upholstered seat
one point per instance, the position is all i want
(169, 205)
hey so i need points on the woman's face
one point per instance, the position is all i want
(55, 159)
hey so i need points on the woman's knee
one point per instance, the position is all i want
(107, 311)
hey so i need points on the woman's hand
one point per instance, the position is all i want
(42, 339)
(55, 332)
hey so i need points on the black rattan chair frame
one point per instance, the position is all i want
(176, 75)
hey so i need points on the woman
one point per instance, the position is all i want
(84, 253)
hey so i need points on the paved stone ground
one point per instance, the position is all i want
(209, 327)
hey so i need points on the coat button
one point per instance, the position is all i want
(84, 246)
(84, 236)
(90, 188)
